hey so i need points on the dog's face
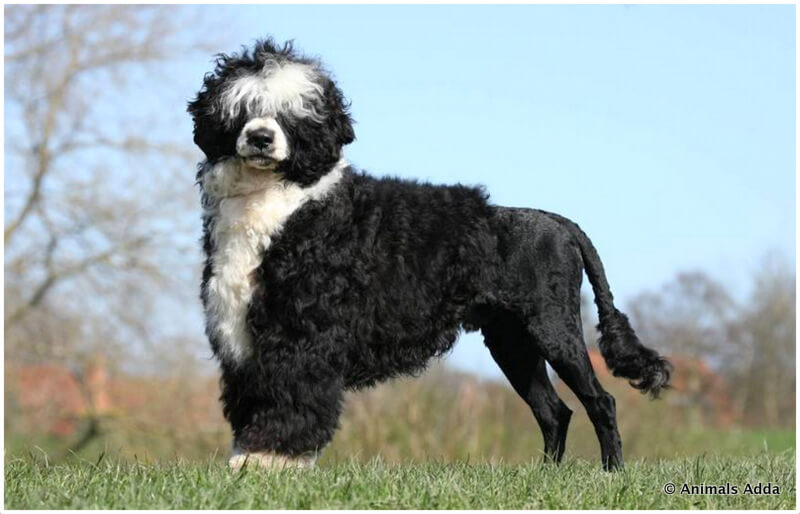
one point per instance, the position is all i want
(273, 112)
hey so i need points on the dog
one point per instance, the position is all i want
(320, 278)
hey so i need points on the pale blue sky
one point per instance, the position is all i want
(666, 132)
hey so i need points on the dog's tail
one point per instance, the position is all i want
(624, 354)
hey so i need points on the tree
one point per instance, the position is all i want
(763, 375)
(687, 316)
(98, 188)
(750, 343)
(100, 210)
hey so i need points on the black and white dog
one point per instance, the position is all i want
(320, 278)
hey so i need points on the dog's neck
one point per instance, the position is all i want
(233, 178)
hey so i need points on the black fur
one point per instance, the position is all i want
(379, 276)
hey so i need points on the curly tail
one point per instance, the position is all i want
(624, 354)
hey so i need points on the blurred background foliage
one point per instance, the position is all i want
(95, 262)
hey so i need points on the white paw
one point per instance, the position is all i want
(269, 460)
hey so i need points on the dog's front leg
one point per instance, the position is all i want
(283, 415)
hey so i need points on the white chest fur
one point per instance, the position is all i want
(242, 227)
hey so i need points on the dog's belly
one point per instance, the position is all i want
(401, 336)
(387, 359)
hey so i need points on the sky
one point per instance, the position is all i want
(666, 132)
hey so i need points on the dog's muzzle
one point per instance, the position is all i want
(262, 143)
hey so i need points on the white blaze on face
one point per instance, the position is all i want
(277, 87)
(246, 208)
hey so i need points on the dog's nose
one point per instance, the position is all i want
(260, 138)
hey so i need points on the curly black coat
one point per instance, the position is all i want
(378, 276)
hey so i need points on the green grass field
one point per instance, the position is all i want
(576, 484)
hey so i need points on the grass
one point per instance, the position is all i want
(31, 483)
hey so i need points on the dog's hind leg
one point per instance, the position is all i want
(514, 351)
(563, 347)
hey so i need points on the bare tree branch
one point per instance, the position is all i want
(93, 212)
(55, 276)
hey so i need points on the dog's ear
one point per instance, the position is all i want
(339, 119)
(343, 122)
(198, 109)
(210, 135)
(344, 129)
(195, 109)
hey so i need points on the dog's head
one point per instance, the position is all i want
(272, 111)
